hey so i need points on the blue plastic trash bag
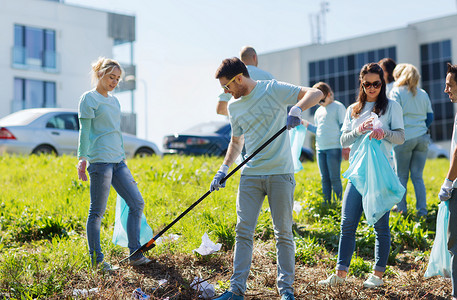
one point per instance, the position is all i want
(120, 225)
(297, 138)
(373, 177)
(439, 262)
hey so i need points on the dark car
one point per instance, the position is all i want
(210, 138)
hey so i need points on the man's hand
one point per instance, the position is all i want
(294, 117)
(446, 190)
(216, 183)
(82, 169)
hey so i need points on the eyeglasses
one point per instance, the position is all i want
(225, 86)
(322, 100)
(377, 84)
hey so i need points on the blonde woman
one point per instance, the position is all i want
(101, 144)
(410, 157)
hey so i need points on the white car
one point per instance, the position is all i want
(55, 131)
(436, 151)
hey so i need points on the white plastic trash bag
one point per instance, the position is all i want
(439, 262)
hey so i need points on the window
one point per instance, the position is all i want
(34, 47)
(434, 59)
(30, 93)
(64, 121)
(342, 73)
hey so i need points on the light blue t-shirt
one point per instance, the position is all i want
(415, 109)
(255, 74)
(259, 116)
(392, 119)
(328, 120)
(105, 142)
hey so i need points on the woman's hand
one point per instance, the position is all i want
(377, 134)
(365, 126)
(82, 169)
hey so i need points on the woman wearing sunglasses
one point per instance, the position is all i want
(372, 98)
(417, 116)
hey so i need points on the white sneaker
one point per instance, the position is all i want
(332, 280)
(373, 281)
(140, 261)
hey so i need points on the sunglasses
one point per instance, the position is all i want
(322, 100)
(377, 84)
(225, 86)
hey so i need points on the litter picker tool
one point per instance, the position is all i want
(151, 244)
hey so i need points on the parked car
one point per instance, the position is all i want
(210, 138)
(436, 151)
(55, 131)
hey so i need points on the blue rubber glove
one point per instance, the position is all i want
(446, 190)
(216, 183)
(294, 117)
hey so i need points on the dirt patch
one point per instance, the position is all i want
(405, 281)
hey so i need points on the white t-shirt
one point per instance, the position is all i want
(328, 120)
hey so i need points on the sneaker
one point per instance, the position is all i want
(373, 281)
(332, 280)
(104, 266)
(140, 261)
(229, 296)
(287, 296)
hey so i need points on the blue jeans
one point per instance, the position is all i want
(102, 176)
(452, 239)
(329, 162)
(411, 157)
(251, 194)
(351, 212)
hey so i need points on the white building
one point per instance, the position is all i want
(428, 45)
(47, 48)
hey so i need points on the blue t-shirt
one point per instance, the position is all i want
(255, 74)
(258, 116)
(328, 120)
(415, 109)
(105, 137)
(392, 119)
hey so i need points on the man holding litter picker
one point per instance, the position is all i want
(257, 111)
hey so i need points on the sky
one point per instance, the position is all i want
(180, 43)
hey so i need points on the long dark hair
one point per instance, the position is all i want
(381, 103)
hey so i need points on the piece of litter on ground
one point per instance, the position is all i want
(84, 292)
(168, 238)
(206, 288)
(297, 207)
(140, 295)
(162, 281)
(207, 246)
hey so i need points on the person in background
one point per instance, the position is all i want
(417, 117)
(101, 144)
(388, 65)
(448, 190)
(248, 56)
(358, 123)
(328, 119)
(258, 110)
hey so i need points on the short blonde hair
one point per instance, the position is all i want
(407, 75)
(102, 67)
